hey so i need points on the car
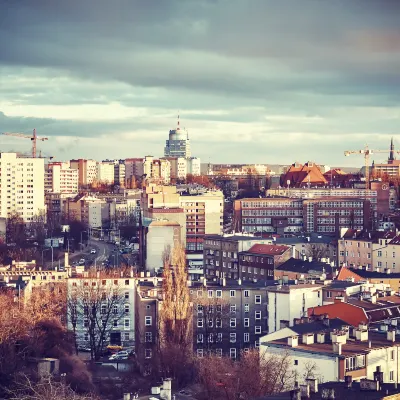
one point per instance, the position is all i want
(84, 349)
(81, 261)
(93, 251)
(117, 357)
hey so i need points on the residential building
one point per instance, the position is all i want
(157, 170)
(178, 143)
(179, 167)
(391, 168)
(133, 170)
(288, 215)
(229, 317)
(119, 172)
(87, 170)
(61, 178)
(304, 269)
(105, 172)
(22, 184)
(103, 291)
(193, 166)
(260, 261)
(286, 303)
(350, 352)
(221, 254)
(307, 175)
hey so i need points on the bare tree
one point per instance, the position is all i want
(317, 251)
(97, 305)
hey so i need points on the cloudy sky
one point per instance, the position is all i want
(267, 81)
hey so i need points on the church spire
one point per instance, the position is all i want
(178, 128)
(391, 154)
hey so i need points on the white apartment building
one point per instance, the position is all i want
(287, 302)
(158, 170)
(87, 170)
(22, 186)
(105, 172)
(178, 167)
(98, 212)
(193, 166)
(60, 178)
(120, 329)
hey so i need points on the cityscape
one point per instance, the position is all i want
(192, 209)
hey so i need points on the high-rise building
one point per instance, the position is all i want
(60, 178)
(178, 144)
(105, 172)
(119, 172)
(87, 170)
(22, 186)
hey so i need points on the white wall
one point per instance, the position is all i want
(381, 358)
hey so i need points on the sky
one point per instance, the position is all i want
(254, 81)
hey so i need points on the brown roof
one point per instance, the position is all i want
(299, 174)
(268, 249)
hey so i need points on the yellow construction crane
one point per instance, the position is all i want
(34, 138)
(366, 152)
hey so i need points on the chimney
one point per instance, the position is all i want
(325, 321)
(320, 337)
(310, 259)
(348, 379)
(305, 391)
(293, 341)
(148, 274)
(313, 384)
(373, 299)
(339, 337)
(384, 328)
(361, 335)
(239, 282)
(337, 348)
(142, 274)
(391, 335)
(339, 299)
(295, 394)
(308, 338)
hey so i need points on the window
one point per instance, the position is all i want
(127, 336)
(246, 322)
(199, 308)
(392, 355)
(210, 323)
(200, 338)
(350, 363)
(296, 362)
(328, 294)
(103, 309)
(218, 322)
(219, 337)
(210, 294)
(147, 353)
(147, 321)
(126, 295)
(210, 338)
(232, 353)
(86, 323)
(115, 323)
(218, 352)
(246, 293)
(257, 344)
(232, 322)
(233, 308)
(218, 293)
(115, 309)
(232, 293)
(200, 323)
(126, 308)
(232, 337)
(86, 337)
(127, 282)
(246, 338)
(257, 299)
(148, 337)
(246, 308)
(391, 376)
(258, 330)
(200, 353)
(127, 323)
(199, 293)
(258, 314)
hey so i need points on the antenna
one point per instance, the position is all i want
(178, 128)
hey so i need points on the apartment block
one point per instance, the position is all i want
(22, 186)
(221, 254)
(157, 170)
(119, 172)
(105, 172)
(61, 178)
(229, 317)
(87, 170)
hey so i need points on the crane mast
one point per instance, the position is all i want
(34, 138)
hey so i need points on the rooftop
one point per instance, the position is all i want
(267, 249)
(374, 274)
(304, 266)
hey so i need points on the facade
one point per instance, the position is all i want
(221, 254)
(305, 269)
(391, 168)
(133, 169)
(87, 170)
(288, 215)
(60, 178)
(307, 175)
(119, 172)
(286, 303)
(22, 184)
(105, 172)
(204, 216)
(120, 326)
(229, 317)
(179, 167)
(98, 213)
(178, 144)
(260, 261)
(157, 170)
(193, 166)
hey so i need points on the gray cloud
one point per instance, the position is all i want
(313, 72)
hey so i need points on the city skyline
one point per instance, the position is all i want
(269, 82)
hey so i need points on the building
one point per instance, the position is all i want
(178, 144)
(391, 168)
(204, 216)
(260, 261)
(193, 166)
(157, 170)
(286, 303)
(119, 172)
(87, 170)
(22, 183)
(112, 302)
(105, 172)
(307, 175)
(229, 317)
(221, 254)
(61, 178)
(179, 167)
(288, 215)
(337, 354)
(133, 170)
(305, 269)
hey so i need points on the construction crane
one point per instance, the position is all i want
(366, 151)
(34, 138)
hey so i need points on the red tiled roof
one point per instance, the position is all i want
(268, 249)
(344, 274)
(346, 312)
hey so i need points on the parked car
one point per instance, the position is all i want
(81, 261)
(84, 349)
(93, 251)
(118, 357)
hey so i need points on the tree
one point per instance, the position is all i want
(15, 229)
(317, 251)
(175, 330)
(98, 306)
